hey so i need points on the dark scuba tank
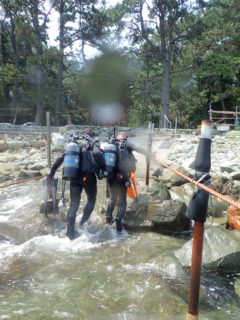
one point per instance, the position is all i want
(110, 156)
(71, 160)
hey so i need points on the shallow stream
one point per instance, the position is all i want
(99, 275)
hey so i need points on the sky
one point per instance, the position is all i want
(53, 31)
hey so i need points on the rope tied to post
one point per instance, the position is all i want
(23, 181)
(202, 177)
(200, 185)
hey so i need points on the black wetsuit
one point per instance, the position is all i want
(85, 179)
(118, 191)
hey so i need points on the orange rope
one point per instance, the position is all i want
(22, 181)
(200, 185)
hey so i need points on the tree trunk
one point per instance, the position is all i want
(39, 95)
(14, 108)
(222, 101)
(166, 58)
(15, 90)
(59, 93)
(40, 70)
(60, 66)
(165, 92)
(5, 86)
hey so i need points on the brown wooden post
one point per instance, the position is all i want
(149, 150)
(195, 276)
(48, 139)
(197, 211)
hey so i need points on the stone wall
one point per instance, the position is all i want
(103, 133)
(21, 130)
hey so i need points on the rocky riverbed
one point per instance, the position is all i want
(162, 209)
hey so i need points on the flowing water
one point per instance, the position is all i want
(99, 275)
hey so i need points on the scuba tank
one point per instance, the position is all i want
(110, 156)
(71, 159)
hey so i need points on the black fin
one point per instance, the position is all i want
(46, 184)
(62, 200)
(54, 194)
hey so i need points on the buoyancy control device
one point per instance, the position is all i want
(126, 161)
(110, 156)
(71, 160)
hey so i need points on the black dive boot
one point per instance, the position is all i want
(121, 213)
(70, 231)
(109, 219)
(110, 208)
(118, 225)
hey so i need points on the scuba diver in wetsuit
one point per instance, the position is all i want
(118, 180)
(91, 163)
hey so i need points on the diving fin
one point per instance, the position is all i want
(62, 200)
(50, 192)
(46, 184)
(54, 194)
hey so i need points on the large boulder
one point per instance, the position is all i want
(147, 214)
(159, 191)
(170, 178)
(136, 215)
(169, 216)
(220, 250)
(224, 185)
(216, 206)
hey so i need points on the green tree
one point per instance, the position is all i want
(162, 24)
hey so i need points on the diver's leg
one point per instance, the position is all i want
(75, 196)
(112, 201)
(90, 187)
(122, 193)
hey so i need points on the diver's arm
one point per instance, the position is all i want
(56, 165)
(133, 147)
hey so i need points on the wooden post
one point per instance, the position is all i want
(195, 270)
(149, 150)
(199, 207)
(48, 139)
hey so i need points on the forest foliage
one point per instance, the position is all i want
(182, 57)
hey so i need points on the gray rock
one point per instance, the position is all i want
(2, 146)
(27, 174)
(235, 175)
(170, 267)
(38, 166)
(159, 191)
(157, 172)
(182, 193)
(226, 169)
(38, 143)
(237, 287)
(223, 185)
(169, 216)
(16, 145)
(152, 247)
(171, 179)
(220, 250)
(136, 215)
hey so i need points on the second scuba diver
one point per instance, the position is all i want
(118, 179)
(89, 161)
